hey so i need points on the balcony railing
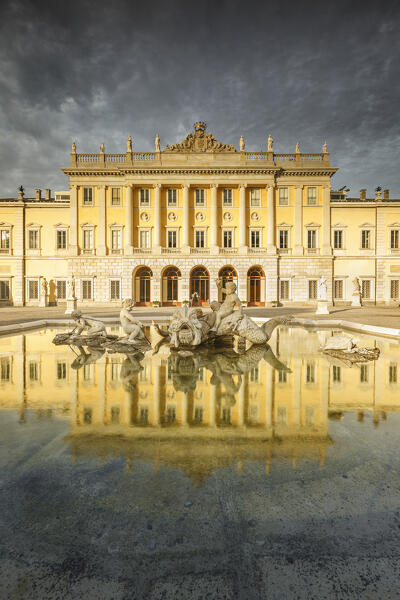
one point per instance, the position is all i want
(284, 250)
(228, 250)
(257, 250)
(142, 250)
(170, 250)
(199, 250)
(312, 250)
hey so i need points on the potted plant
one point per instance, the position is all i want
(156, 303)
(275, 303)
(185, 301)
(244, 302)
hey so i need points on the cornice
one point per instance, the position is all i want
(200, 171)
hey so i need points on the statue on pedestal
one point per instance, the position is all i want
(157, 143)
(324, 148)
(241, 144)
(129, 144)
(322, 288)
(270, 143)
(298, 148)
(102, 147)
(73, 147)
(71, 289)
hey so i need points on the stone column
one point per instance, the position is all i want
(242, 219)
(271, 246)
(326, 221)
(157, 219)
(73, 213)
(185, 220)
(128, 219)
(298, 221)
(101, 241)
(214, 220)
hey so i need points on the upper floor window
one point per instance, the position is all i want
(338, 239)
(87, 195)
(116, 240)
(394, 238)
(255, 197)
(227, 197)
(115, 196)
(365, 239)
(283, 239)
(199, 197)
(283, 199)
(200, 238)
(5, 241)
(33, 239)
(311, 196)
(172, 197)
(227, 238)
(255, 238)
(145, 197)
(144, 238)
(88, 239)
(172, 238)
(61, 239)
(311, 238)
(61, 370)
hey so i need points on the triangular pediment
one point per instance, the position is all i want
(339, 226)
(312, 224)
(199, 141)
(365, 225)
(396, 224)
(283, 224)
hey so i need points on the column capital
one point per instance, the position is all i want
(185, 185)
(269, 185)
(242, 186)
(157, 186)
(214, 185)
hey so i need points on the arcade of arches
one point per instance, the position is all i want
(198, 289)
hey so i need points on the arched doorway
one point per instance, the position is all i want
(255, 286)
(170, 286)
(142, 286)
(200, 284)
(226, 274)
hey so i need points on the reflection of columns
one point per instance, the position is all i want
(101, 366)
(101, 242)
(73, 225)
(241, 403)
(271, 247)
(213, 404)
(74, 394)
(214, 219)
(185, 218)
(297, 366)
(157, 218)
(298, 221)
(19, 376)
(323, 420)
(269, 394)
(326, 221)
(242, 217)
(156, 394)
(128, 407)
(184, 408)
(128, 219)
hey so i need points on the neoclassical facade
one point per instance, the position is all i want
(160, 226)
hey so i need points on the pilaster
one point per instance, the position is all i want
(101, 242)
(185, 219)
(326, 221)
(214, 248)
(271, 246)
(298, 221)
(73, 212)
(128, 220)
(242, 219)
(157, 219)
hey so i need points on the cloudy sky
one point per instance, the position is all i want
(95, 71)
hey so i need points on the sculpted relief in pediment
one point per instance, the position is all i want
(200, 141)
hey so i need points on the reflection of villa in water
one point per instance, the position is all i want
(264, 411)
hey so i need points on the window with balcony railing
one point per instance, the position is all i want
(5, 237)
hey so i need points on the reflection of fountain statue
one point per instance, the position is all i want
(129, 368)
(345, 349)
(87, 358)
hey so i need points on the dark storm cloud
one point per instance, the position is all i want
(96, 71)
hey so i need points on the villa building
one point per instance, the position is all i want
(160, 226)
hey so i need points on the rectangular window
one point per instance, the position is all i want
(115, 196)
(338, 239)
(365, 239)
(172, 238)
(61, 371)
(393, 373)
(145, 197)
(227, 197)
(254, 375)
(4, 240)
(364, 374)
(144, 416)
(61, 239)
(199, 197)
(116, 235)
(394, 289)
(171, 414)
(283, 196)
(338, 289)
(115, 289)
(87, 195)
(311, 196)
(336, 374)
(283, 238)
(172, 197)
(86, 289)
(255, 238)
(312, 289)
(282, 376)
(394, 238)
(33, 239)
(144, 239)
(310, 372)
(284, 289)
(33, 371)
(311, 239)
(61, 289)
(5, 369)
(366, 289)
(200, 238)
(5, 290)
(227, 238)
(198, 414)
(33, 289)
(255, 197)
(88, 239)
(281, 415)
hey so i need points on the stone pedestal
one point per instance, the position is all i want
(356, 300)
(43, 301)
(71, 305)
(322, 307)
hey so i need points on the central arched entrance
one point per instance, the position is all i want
(226, 274)
(142, 286)
(200, 284)
(255, 286)
(170, 286)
